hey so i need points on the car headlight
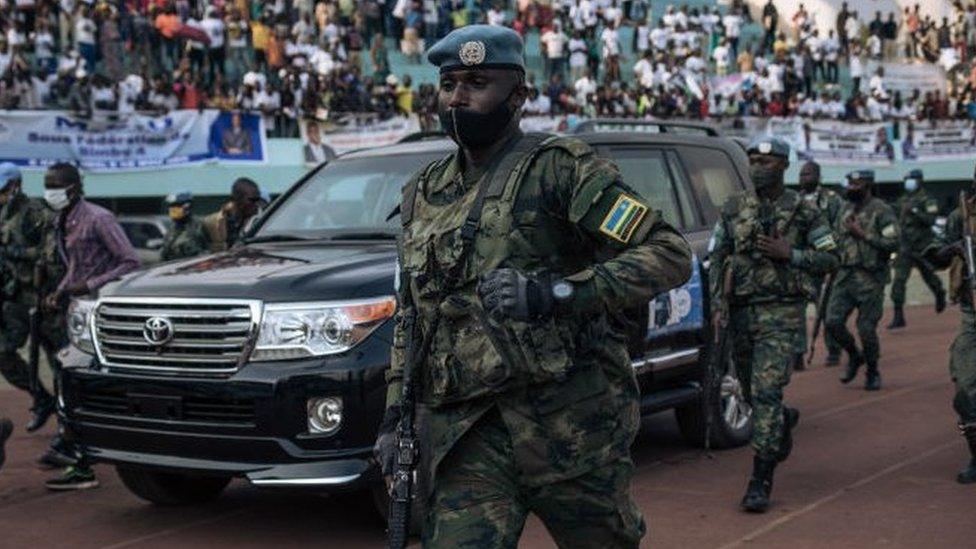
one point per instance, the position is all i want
(299, 330)
(79, 325)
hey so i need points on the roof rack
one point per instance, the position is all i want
(606, 125)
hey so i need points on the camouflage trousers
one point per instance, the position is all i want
(764, 339)
(962, 368)
(478, 501)
(856, 289)
(903, 265)
(14, 333)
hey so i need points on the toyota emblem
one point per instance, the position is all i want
(158, 331)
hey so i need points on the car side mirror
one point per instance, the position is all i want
(154, 243)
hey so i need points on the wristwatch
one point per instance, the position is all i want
(562, 291)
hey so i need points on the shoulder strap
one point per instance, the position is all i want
(410, 194)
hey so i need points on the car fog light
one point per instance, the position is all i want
(324, 415)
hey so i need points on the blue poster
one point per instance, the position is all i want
(679, 310)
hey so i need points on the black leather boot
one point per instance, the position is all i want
(873, 380)
(854, 362)
(791, 416)
(760, 486)
(968, 475)
(799, 364)
(899, 319)
(40, 413)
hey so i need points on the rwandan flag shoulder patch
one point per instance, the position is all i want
(625, 216)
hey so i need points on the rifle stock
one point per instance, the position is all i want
(821, 315)
(34, 347)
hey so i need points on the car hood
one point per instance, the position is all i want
(323, 271)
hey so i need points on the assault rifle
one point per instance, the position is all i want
(967, 244)
(34, 348)
(825, 290)
(720, 355)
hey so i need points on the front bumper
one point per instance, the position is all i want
(252, 424)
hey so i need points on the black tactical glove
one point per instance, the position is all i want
(385, 450)
(509, 293)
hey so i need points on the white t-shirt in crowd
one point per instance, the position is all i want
(584, 87)
(733, 25)
(84, 31)
(857, 71)
(659, 38)
(721, 56)
(831, 47)
(577, 52)
(215, 30)
(44, 45)
(611, 42)
(540, 106)
(643, 38)
(496, 17)
(555, 42)
(644, 73)
(195, 23)
(241, 40)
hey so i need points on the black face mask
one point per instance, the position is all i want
(809, 183)
(854, 195)
(764, 178)
(476, 130)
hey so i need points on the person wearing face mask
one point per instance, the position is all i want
(23, 222)
(95, 251)
(187, 238)
(949, 252)
(766, 252)
(916, 215)
(829, 203)
(520, 254)
(226, 226)
(867, 233)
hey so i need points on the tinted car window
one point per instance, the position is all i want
(645, 171)
(355, 194)
(713, 177)
(140, 233)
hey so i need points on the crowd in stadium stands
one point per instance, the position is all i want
(291, 59)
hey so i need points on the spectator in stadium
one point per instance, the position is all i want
(225, 226)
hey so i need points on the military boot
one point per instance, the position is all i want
(854, 362)
(756, 499)
(873, 380)
(799, 364)
(940, 301)
(791, 416)
(40, 413)
(968, 475)
(899, 319)
(833, 359)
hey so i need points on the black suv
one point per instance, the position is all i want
(266, 361)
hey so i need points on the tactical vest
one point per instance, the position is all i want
(756, 278)
(856, 253)
(445, 248)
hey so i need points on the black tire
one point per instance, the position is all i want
(171, 488)
(729, 429)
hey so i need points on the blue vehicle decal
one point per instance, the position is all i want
(679, 310)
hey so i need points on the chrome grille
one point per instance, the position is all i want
(209, 336)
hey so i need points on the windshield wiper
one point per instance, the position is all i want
(365, 235)
(287, 237)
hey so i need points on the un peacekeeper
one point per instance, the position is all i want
(187, 238)
(766, 252)
(532, 401)
(949, 252)
(22, 226)
(829, 203)
(867, 234)
(916, 215)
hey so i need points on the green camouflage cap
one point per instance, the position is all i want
(479, 47)
(770, 146)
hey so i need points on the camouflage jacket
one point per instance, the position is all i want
(185, 239)
(564, 386)
(916, 215)
(958, 289)
(23, 222)
(828, 202)
(740, 274)
(872, 254)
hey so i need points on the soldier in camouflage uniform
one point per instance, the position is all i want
(523, 251)
(187, 238)
(23, 223)
(867, 234)
(829, 203)
(766, 252)
(916, 215)
(948, 252)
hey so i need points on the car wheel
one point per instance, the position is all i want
(731, 413)
(171, 488)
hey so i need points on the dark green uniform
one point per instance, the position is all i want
(533, 416)
(24, 226)
(916, 215)
(186, 239)
(860, 281)
(764, 297)
(962, 358)
(829, 204)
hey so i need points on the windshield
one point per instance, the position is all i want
(347, 196)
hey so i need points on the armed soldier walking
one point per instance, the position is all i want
(956, 251)
(916, 215)
(22, 225)
(766, 253)
(867, 234)
(187, 238)
(519, 254)
(829, 203)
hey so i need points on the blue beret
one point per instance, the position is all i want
(479, 47)
(8, 172)
(179, 197)
(864, 175)
(770, 146)
(915, 174)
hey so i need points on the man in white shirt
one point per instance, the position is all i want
(610, 38)
(537, 104)
(876, 84)
(721, 57)
(554, 42)
(496, 16)
(733, 28)
(215, 29)
(644, 71)
(660, 36)
(584, 87)
(831, 48)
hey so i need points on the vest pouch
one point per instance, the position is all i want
(547, 347)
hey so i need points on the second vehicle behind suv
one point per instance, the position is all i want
(266, 361)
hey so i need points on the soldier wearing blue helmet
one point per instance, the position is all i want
(766, 253)
(187, 238)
